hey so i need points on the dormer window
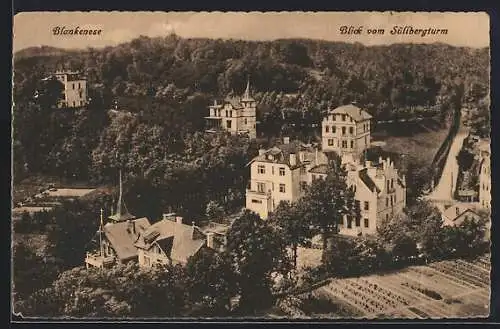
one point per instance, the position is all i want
(270, 157)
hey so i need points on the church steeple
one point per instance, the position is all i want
(122, 213)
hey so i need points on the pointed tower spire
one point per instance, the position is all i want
(122, 213)
(246, 96)
(120, 196)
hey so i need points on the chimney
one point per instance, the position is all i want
(286, 140)
(262, 151)
(131, 226)
(178, 219)
(293, 159)
(210, 240)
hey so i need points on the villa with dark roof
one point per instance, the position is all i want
(235, 114)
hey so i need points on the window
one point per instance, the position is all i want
(227, 113)
(334, 129)
(366, 222)
(349, 222)
(387, 202)
(366, 205)
(386, 216)
(394, 198)
(147, 261)
(327, 129)
(343, 117)
(343, 130)
(256, 201)
(330, 142)
(81, 94)
(261, 187)
(358, 222)
(272, 170)
(231, 114)
(282, 188)
(74, 103)
(245, 120)
(344, 144)
(73, 84)
(261, 169)
(392, 183)
(79, 86)
(388, 184)
(391, 201)
(351, 130)
(282, 171)
(334, 117)
(352, 144)
(228, 124)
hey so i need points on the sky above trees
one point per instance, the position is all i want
(464, 29)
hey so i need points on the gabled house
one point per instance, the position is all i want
(280, 174)
(169, 241)
(236, 115)
(117, 238)
(346, 130)
(456, 214)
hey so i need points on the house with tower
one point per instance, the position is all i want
(236, 114)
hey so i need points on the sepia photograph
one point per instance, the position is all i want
(250, 165)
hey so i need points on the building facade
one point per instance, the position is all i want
(279, 174)
(346, 130)
(236, 115)
(282, 172)
(485, 175)
(457, 213)
(75, 89)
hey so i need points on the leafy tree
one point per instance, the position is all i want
(291, 226)
(210, 283)
(255, 250)
(31, 271)
(214, 211)
(326, 202)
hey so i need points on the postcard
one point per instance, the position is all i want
(251, 165)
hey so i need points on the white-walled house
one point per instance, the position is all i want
(280, 174)
(346, 130)
(236, 115)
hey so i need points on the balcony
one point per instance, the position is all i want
(96, 260)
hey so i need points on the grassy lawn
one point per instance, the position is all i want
(419, 140)
(33, 185)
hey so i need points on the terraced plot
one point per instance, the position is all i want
(448, 289)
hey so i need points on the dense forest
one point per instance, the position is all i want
(160, 89)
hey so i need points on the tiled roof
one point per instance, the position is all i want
(353, 111)
(366, 179)
(460, 208)
(122, 239)
(186, 240)
(234, 101)
(281, 154)
(319, 169)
